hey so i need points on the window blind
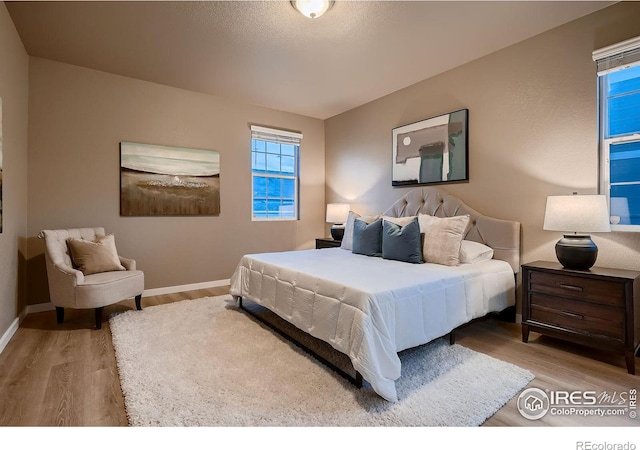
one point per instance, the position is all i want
(618, 56)
(273, 135)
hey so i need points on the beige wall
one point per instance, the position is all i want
(77, 117)
(14, 90)
(532, 132)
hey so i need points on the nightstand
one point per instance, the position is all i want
(327, 243)
(599, 307)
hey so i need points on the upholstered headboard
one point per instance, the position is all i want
(503, 236)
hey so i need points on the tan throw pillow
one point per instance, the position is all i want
(442, 238)
(95, 256)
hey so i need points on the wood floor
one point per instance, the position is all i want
(66, 375)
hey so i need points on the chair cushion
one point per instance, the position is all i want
(106, 288)
(96, 256)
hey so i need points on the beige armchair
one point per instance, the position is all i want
(71, 288)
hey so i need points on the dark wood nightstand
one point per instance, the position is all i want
(599, 307)
(327, 243)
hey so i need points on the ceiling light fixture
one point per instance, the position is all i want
(312, 8)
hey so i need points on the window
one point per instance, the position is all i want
(619, 118)
(275, 175)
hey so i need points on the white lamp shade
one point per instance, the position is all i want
(337, 212)
(577, 213)
(312, 8)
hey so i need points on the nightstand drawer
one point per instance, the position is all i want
(585, 317)
(327, 243)
(597, 291)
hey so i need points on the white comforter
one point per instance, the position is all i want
(371, 308)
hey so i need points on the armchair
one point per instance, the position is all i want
(71, 288)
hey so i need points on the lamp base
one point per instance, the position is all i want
(576, 251)
(337, 231)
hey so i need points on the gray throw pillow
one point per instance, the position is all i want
(347, 239)
(402, 243)
(367, 237)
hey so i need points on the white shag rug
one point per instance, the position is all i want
(206, 363)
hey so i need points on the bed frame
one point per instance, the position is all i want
(503, 236)
(356, 380)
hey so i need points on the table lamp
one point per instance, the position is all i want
(337, 214)
(579, 214)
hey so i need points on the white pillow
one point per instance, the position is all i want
(347, 239)
(473, 252)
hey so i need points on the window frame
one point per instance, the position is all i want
(280, 137)
(605, 176)
(620, 56)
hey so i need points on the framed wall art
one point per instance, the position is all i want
(157, 180)
(432, 151)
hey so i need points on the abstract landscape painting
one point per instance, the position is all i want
(157, 180)
(431, 151)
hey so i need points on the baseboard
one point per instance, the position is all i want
(185, 287)
(40, 307)
(6, 337)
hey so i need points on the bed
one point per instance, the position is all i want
(371, 308)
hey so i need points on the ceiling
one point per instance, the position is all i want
(266, 53)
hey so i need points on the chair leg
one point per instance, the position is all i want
(99, 318)
(138, 300)
(59, 314)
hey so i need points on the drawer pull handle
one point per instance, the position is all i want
(571, 288)
(570, 314)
